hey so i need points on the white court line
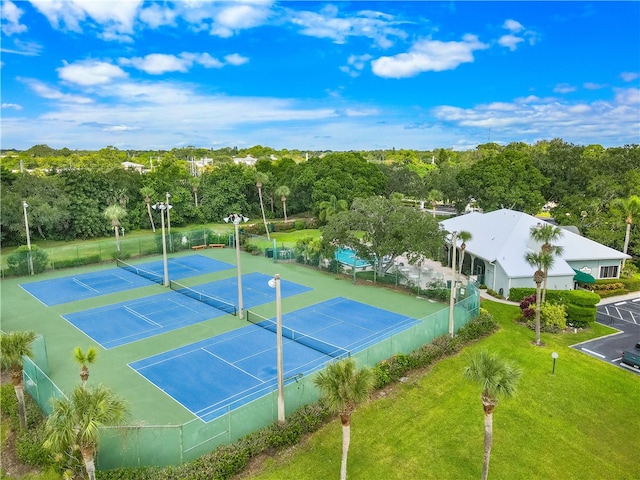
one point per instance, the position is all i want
(146, 319)
(593, 353)
(84, 285)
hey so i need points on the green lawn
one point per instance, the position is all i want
(583, 422)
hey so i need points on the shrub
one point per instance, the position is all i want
(299, 225)
(481, 326)
(553, 317)
(493, 293)
(18, 261)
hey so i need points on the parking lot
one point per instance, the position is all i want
(624, 316)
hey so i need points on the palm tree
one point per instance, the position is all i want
(114, 213)
(194, 183)
(546, 234)
(465, 237)
(13, 346)
(261, 179)
(434, 197)
(344, 386)
(147, 193)
(329, 208)
(497, 379)
(283, 191)
(74, 423)
(85, 359)
(540, 261)
(629, 208)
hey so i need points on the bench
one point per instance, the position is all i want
(198, 247)
(216, 245)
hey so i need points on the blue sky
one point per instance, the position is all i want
(318, 75)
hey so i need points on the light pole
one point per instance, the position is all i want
(275, 283)
(163, 207)
(168, 196)
(26, 226)
(454, 241)
(554, 355)
(236, 218)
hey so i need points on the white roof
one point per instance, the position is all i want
(503, 236)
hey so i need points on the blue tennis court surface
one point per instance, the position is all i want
(255, 289)
(221, 373)
(69, 289)
(121, 323)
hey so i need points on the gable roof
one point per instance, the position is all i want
(503, 236)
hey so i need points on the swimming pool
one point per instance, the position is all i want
(347, 256)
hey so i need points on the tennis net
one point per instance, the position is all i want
(203, 297)
(299, 337)
(154, 277)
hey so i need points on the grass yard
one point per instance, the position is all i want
(583, 422)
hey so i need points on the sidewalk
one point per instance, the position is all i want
(620, 298)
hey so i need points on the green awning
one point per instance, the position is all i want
(582, 277)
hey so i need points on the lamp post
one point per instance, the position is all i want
(168, 196)
(454, 241)
(554, 355)
(236, 218)
(26, 226)
(275, 283)
(163, 207)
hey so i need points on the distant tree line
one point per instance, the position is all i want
(68, 191)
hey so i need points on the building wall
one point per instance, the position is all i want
(592, 267)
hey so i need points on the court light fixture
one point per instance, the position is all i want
(236, 219)
(162, 207)
(25, 205)
(275, 283)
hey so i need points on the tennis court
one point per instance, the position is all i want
(122, 323)
(88, 285)
(221, 373)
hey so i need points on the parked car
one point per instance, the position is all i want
(632, 357)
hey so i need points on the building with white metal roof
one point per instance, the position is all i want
(496, 253)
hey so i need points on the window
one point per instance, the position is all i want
(609, 272)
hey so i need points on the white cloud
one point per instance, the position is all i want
(629, 76)
(159, 63)
(593, 86)
(513, 25)
(45, 91)
(115, 18)
(13, 106)
(510, 41)
(355, 64)
(29, 49)
(11, 14)
(428, 55)
(549, 118)
(158, 15)
(564, 88)
(90, 72)
(236, 17)
(379, 27)
(235, 59)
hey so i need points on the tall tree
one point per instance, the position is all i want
(329, 208)
(261, 179)
(85, 359)
(628, 208)
(194, 183)
(434, 197)
(283, 192)
(147, 193)
(541, 262)
(74, 423)
(13, 346)
(343, 387)
(497, 378)
(376, 228)
(114, 213)
(546, 234)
